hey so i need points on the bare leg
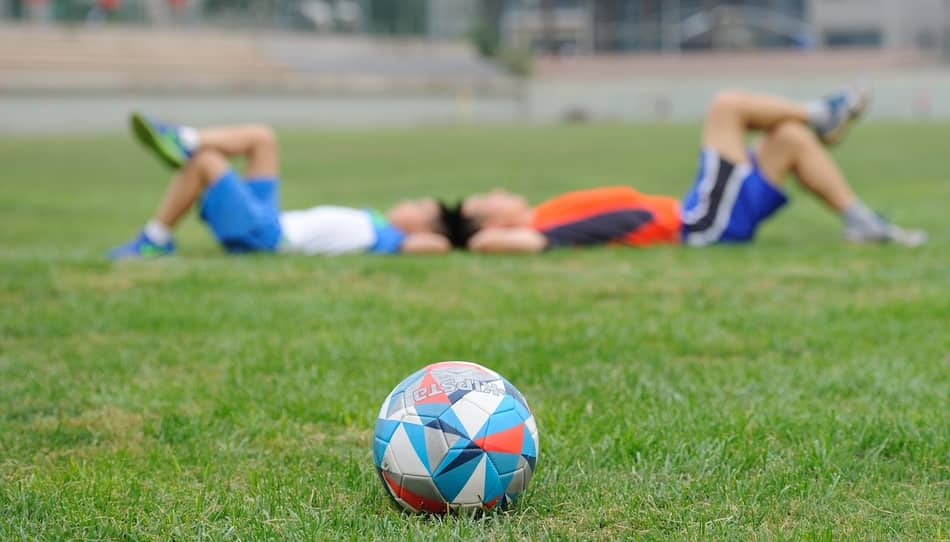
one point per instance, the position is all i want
(208, 162)
(792, 147)
(257, 142)
(732, 114)
(186, 187)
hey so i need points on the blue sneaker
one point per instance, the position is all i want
(843, 109)
(161, 138)
(140, 248)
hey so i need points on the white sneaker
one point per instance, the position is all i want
(843, 109)
(885, 233)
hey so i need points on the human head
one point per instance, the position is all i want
(421, 215)
(458, 228)
(496, 209)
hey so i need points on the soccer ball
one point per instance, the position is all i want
(455, 436)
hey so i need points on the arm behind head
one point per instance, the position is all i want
(508, 241)
(425, 243)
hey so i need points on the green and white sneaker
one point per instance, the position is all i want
(165, 140)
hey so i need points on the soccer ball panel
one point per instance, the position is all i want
(388, 463)
(532, 428)
(472, 493)
(516, 485)
(420, 493)
(403, 454)
(527, 471)
(392, 482)
(436, 446)
(470, 415)
(395, 408)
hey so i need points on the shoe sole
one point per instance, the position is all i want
(147, 136)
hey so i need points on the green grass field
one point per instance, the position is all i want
(792, 389)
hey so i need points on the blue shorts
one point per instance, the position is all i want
(728, 201)
(244, 216)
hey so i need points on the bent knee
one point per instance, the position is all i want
(208, 161)
(263, 134)
(726, 101)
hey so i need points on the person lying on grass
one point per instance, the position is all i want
(735, 189)
(243, 213)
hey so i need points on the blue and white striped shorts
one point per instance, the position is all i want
(727, 201)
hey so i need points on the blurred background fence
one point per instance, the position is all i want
(76, 64)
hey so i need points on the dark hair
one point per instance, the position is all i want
(458, 227)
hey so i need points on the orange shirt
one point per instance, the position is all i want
(617, 214)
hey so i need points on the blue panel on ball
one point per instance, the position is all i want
(504, 463)
(503, 421)
(522, 410)
(506, 481)
(385, 428)
(511, 390)
(457, 394)
(448, 422)
(458, 468)
(506, 404)
(417, 438)
(493, 485)
(457, 457)
(527, 446)
(433, 410)
(396, 403)
(379, 448)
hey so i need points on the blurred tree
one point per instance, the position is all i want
(486, 35)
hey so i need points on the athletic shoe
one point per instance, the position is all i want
(140, 248)
(162, 139)
(885, 232)
(843, 109)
